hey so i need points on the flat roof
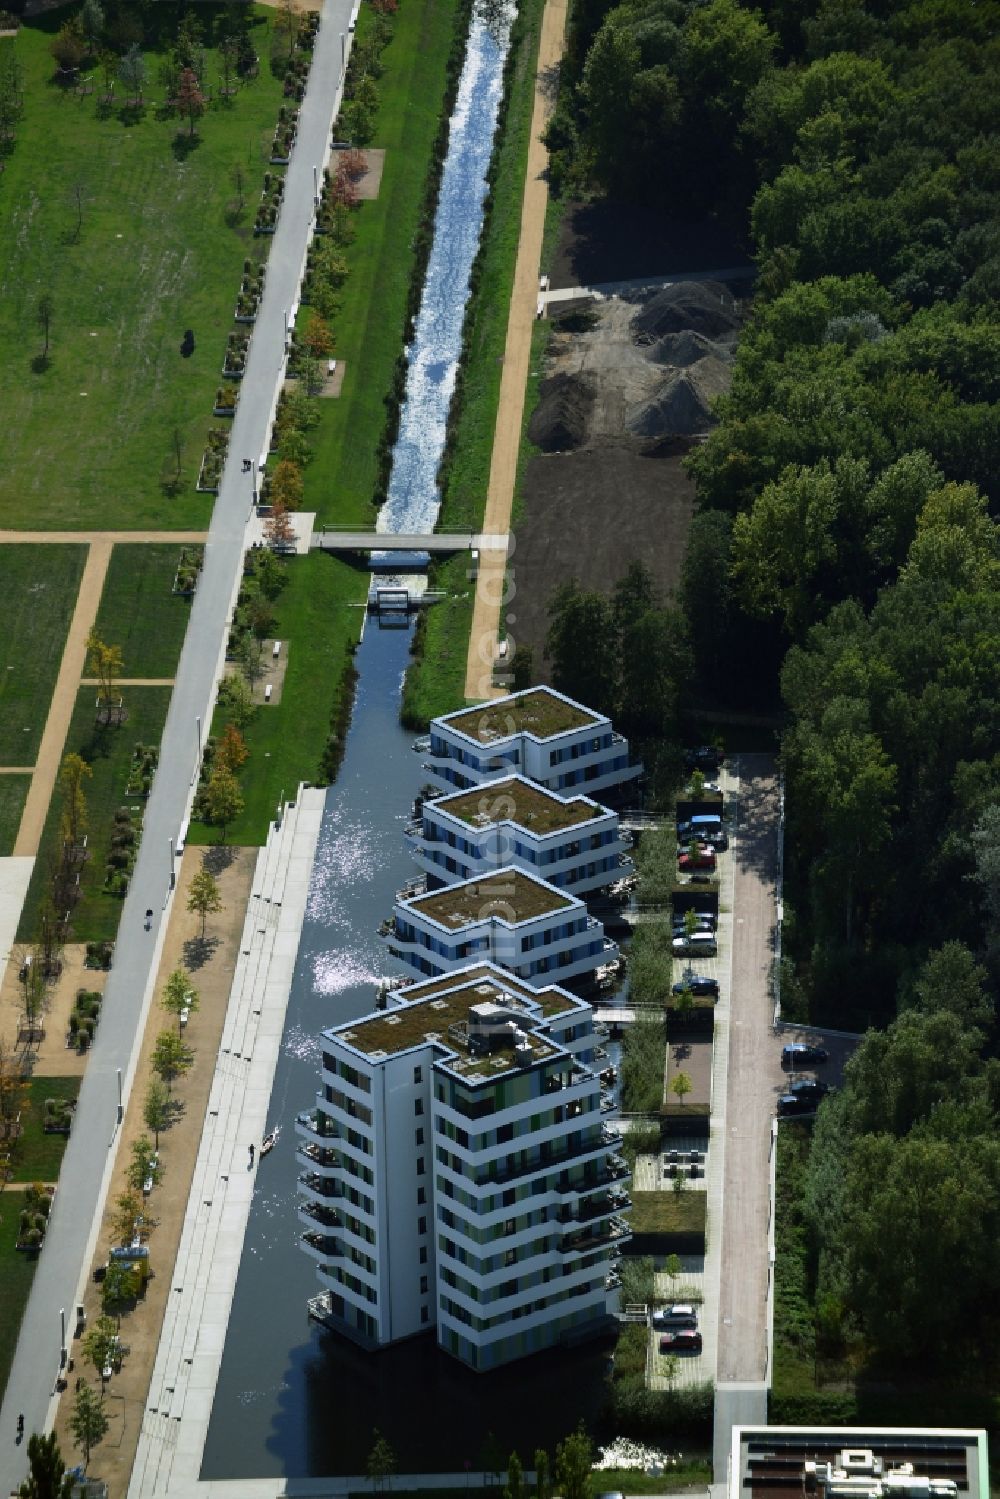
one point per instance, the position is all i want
(514, 799)
(768, 1461)
(509, 894)
(539, 712)
(551, 1000)
(427, 1021)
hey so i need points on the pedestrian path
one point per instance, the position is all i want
(193, 1336)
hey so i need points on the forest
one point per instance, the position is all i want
(845, 537)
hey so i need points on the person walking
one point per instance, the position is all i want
(251, 1157)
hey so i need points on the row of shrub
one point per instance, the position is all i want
(124, 846)
(34, 1219)
(85, 1014)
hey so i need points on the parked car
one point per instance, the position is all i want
(703, 859)
(703, 757)
(698, 945)
(684, 1340)
(802, 1054)
(808, 1087)
(701, 826)
(700, 877)
(704, 922)
(698, 984)
(680, 1314)
(791, 1104)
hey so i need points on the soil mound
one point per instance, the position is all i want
(682, 404)
(704, 307)
(686, 348)
(560, 421)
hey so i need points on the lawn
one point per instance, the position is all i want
(318, 623)
(342, 475)
(435, 682)
(668, 1212)
(155, 248)
(38, 1156)
(39, 585)
(16, 1271)
(109, 752)
(13, 791)
(140, 613)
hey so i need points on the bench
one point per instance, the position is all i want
(277, 650)
(267, 692)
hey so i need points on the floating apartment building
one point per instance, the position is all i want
(569, 841)
(457, 1174)
(511, 918)
(538, 734)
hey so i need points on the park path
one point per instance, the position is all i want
(90, 1153)
(131, 682)
(50, 751)
(516, 360)
(19, 538)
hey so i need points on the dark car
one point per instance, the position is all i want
(808, 1087)
(698, 984)
(802, 1054)
(703, 757)
(678, 1314)
(791, 1104)
(684, 1340)
(703, 922)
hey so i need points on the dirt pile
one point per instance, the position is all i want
(705, 307)
(683, 403)
(686, 348)
(560, 421)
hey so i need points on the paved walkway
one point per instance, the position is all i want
(63, 702)
(19, 538)
(640, 287)
(493, 583)
(64, 1263)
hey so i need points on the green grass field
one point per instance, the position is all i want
(368, 330)
(139, 612)
(16, 1272)
(13, 792)
(109, 752)
(38, 1156)
(89, 438)
(319, 624)
(39, 585)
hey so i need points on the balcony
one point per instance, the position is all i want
(319, 1160)
(313, 1124)
(317, 1216)
(499, 1177)
(613, 1233)
(321, 1247)
(416, 886)
(318, 1188)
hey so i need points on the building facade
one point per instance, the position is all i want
(511, 918)
(569, 841)
(538, 734)
(457, 1174)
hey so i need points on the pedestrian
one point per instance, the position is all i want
(251, 1157)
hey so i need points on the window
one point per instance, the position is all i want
(418, 1106)
(421, 1225)
(417, 1075)
(423, 1254)
(421, 1165)
(421, 1196)
(425, 1314)
(423, 1285)
(419, 1137)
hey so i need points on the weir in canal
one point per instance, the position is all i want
(293, 1398)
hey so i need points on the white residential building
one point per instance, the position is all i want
(539, 734)
(508, 917)
(457, 1174)
(570, 841)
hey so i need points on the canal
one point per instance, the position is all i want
(293, 1398)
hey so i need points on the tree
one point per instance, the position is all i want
(672, 1266)
(204, 898)
(72, 774)
(171, 1057)
(317, 337)
(514, 1487)
(680, 1086)
(250, 652)
(229, 50)
(240, 184)
(100, 1343)
(120, 1289)
(68, 46)
(381, 1462)
(92, 23)
(105, 663)
(582, 646)
(87, 1421)
(260, 617)
(156, 1109)
(47, 1477)
(286, 485)
(144, 1165)
(190, 99)
(279, 533)
(44, 312)
(287, 22)
(952, 980)
(14, 1089)
(179, 995)
(574, 1458)
(223, 800)
(236, 697)
(543, 1480)
(128, 1211)
(132, 71)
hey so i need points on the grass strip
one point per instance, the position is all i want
(155, 248)
(38, 585)
(38, 1156)
(138, 610)
(108, 751)
(318, 623)
(13, 794)
(16, 1273)
(668, 1212)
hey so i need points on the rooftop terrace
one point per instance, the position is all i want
(509, 894)
(517, 800)
(551, 1000)
(537, 711)
(429, 1021)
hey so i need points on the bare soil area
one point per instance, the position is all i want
(367, 186)
(605, 241)
(588, 515)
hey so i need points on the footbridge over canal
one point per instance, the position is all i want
(413, 544)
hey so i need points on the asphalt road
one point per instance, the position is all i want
(64, 1260)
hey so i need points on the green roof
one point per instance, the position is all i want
(509, 894)
(519, 801)
(538, 711)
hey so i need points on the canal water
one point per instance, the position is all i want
(293, 1398)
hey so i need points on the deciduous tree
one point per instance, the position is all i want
(190, 99)
(223, 801)
(156, 1109)
(88, 1421)
(204, 896)
(171, 1057)
(179, 994)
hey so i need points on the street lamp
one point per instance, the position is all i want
(172, 875)
(121, 1110)
(62, 1337)
(197, 748)
(343, 52)
(315, 184)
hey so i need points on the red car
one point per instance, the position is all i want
(703, 859)
(682, 1340)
